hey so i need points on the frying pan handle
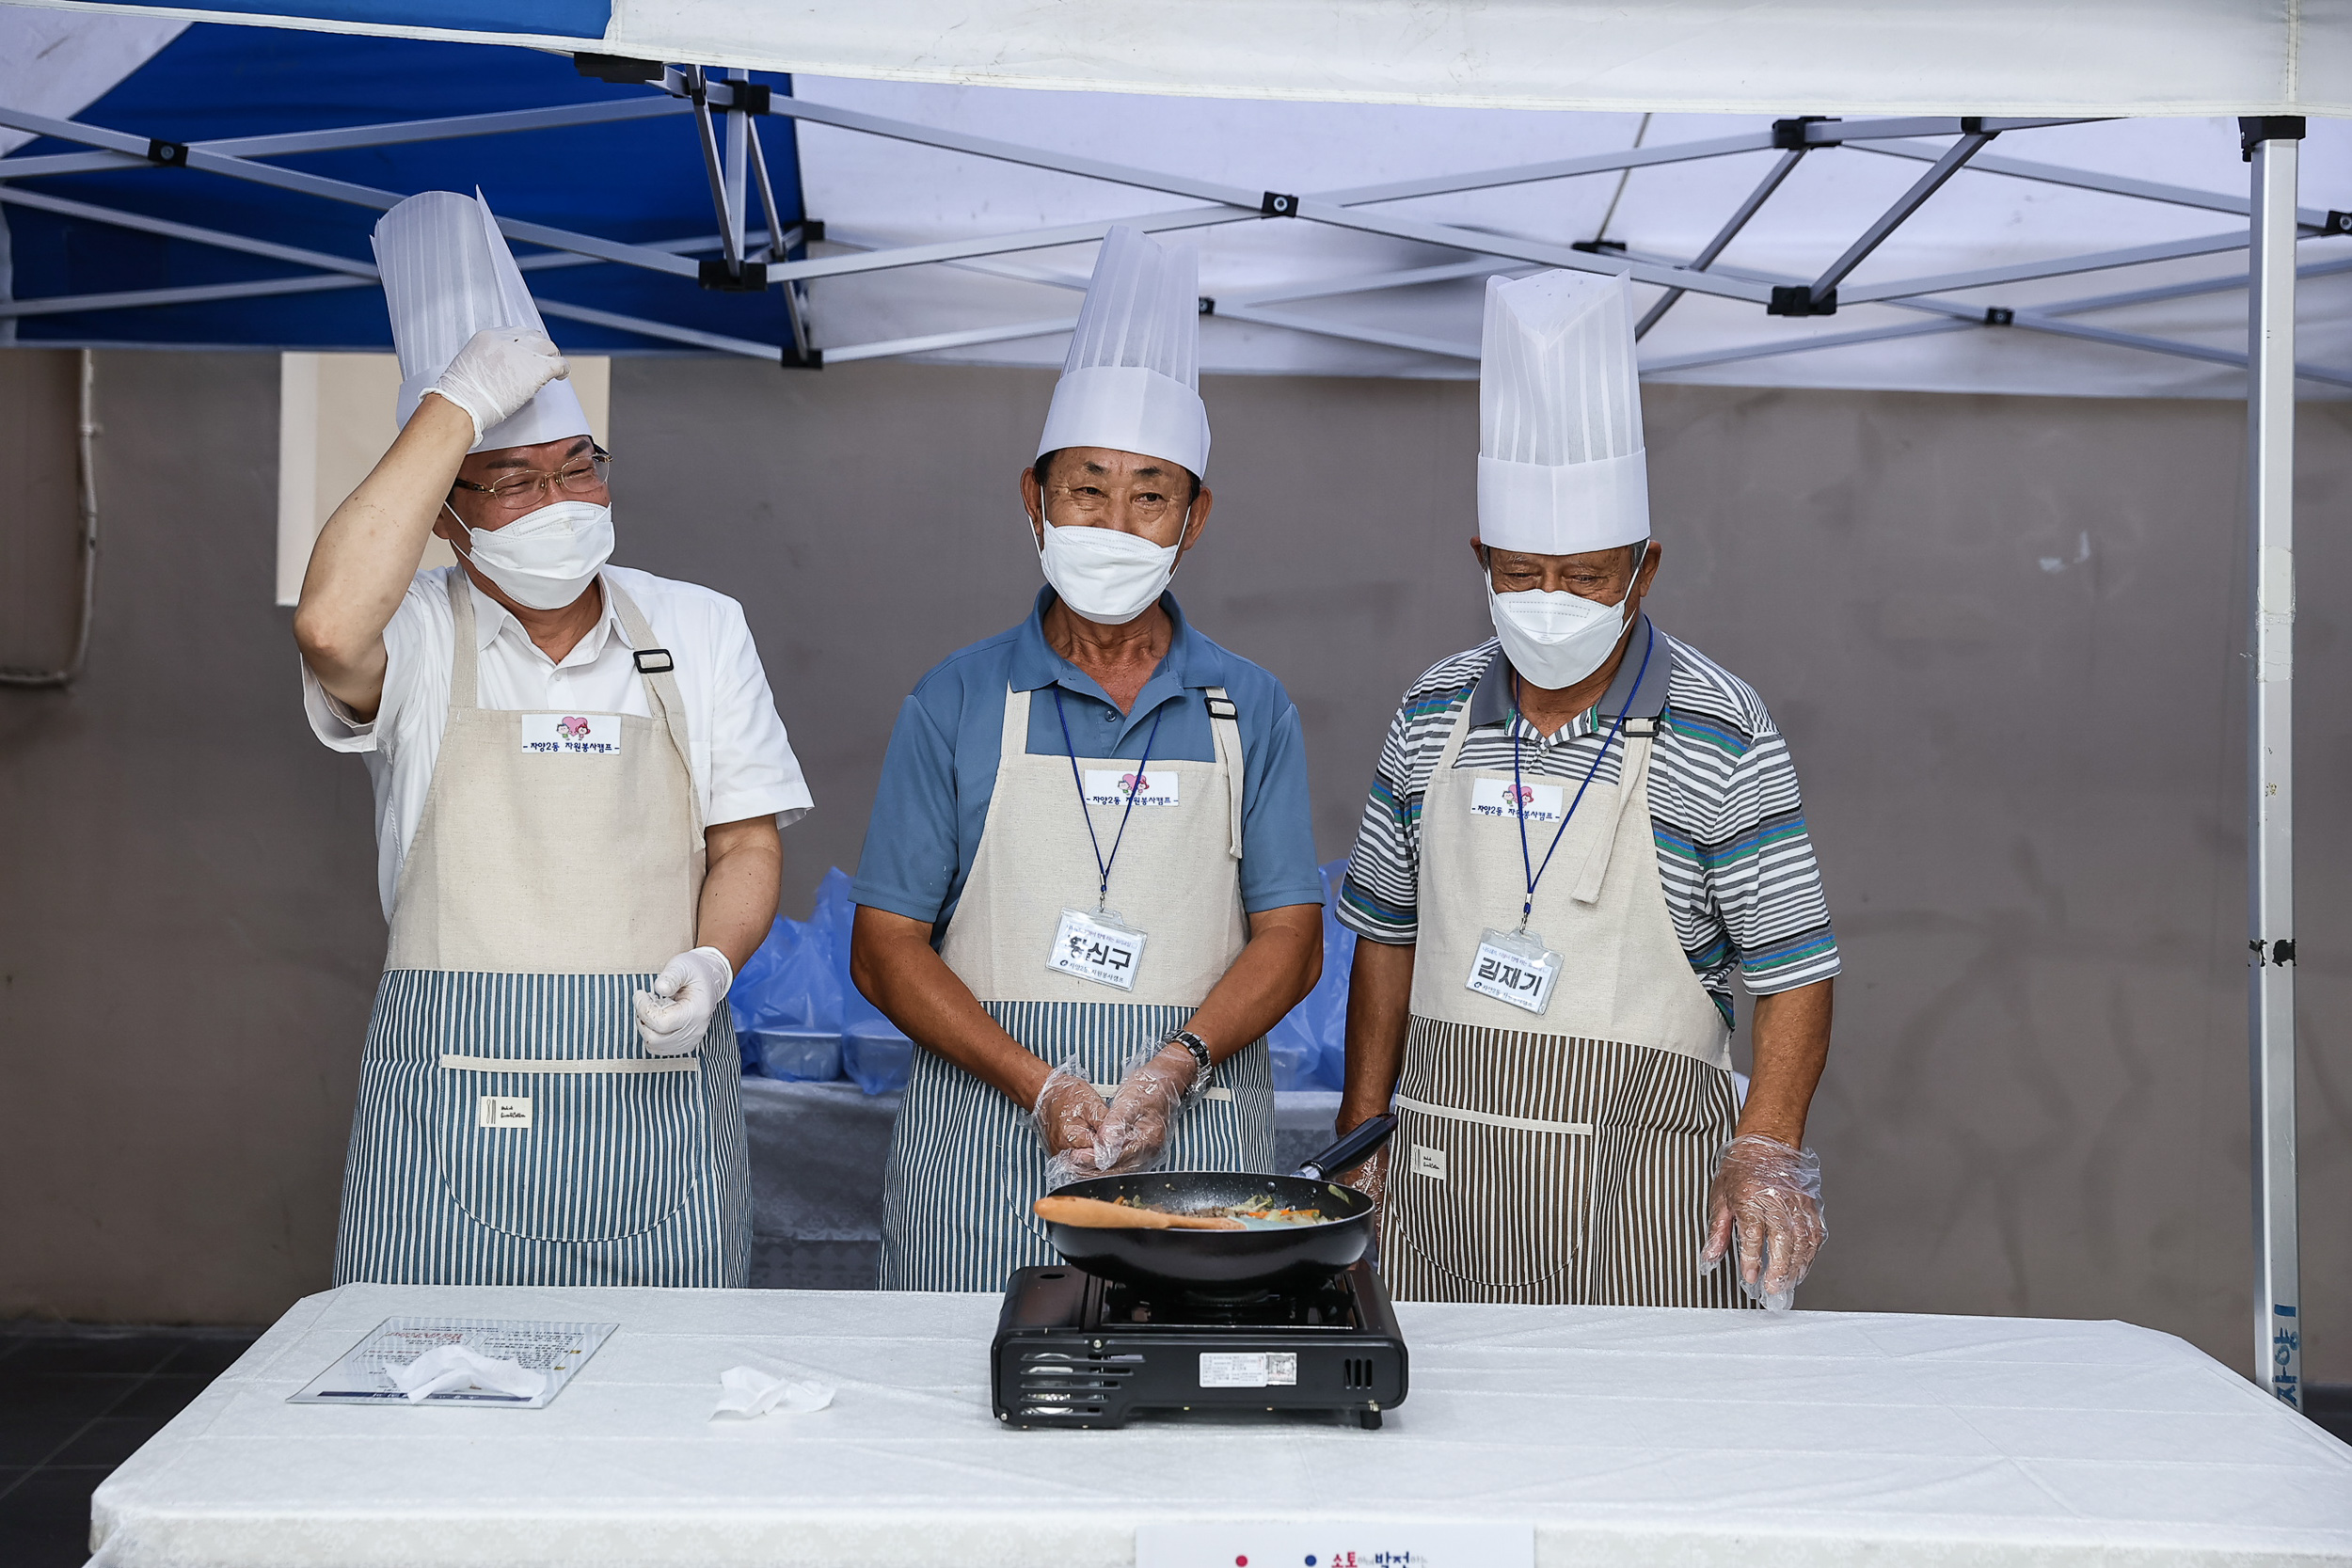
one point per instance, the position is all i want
(1359, 1143)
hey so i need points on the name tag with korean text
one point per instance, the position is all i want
(1514, 967)
(1508, 800)
(1109, 787)
(572, 733)
(1097, 947)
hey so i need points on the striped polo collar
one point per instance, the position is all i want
(1490, 700)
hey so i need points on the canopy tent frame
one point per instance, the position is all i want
(2272, 147)
(683, 90)
(2275, 226)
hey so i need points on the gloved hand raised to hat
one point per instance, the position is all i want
(1158, 1084)
(673, 1017)
(1768, 1197)
(501, 369)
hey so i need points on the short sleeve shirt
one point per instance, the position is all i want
(1736, 862)
(941, 770)
(742, 764)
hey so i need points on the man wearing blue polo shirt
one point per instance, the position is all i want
(1090, 872)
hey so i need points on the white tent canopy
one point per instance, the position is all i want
(1697, 57)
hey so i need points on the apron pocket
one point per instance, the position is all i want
(570, 1155)
(1490, 1204)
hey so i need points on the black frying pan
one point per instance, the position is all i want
(1231, 1261)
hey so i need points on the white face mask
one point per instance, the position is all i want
(1556, 640)
(544, 559)
(1104, 575)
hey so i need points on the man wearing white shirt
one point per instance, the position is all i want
(580, 775)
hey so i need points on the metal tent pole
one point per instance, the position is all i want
(2271, 145)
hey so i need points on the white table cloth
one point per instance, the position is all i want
(1623, 1435)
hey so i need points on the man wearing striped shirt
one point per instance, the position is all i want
(1577, 833)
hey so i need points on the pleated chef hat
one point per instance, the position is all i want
(447, 275)
(1560, 463)
(1132, 378)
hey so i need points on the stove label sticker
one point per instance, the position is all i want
(1428, 1161)
(1250, 1370)
(501, 1110)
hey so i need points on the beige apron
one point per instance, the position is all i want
(511, 1128)
(1561, 1157)
(964, 1162)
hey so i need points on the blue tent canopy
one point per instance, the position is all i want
(641, 181)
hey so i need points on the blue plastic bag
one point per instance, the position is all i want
(787, 1004)
(1310, 1045)
(877, 1057)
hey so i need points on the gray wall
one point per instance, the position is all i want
(2001, 633)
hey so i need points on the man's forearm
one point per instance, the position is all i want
(895, 968)
(742, 879)
(1380, 1001)
(368, 549)
(1791, 1043)
(1275, 968)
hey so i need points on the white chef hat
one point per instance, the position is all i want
(1132, 378)
(1560, 463)
(447, 275)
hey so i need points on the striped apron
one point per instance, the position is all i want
(965, 1164)
(510, 1129)
(1563, 1157)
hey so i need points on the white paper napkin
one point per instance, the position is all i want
(747, 1391)
(455, 1367)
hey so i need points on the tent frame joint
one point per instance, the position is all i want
(1794, 134)
(2255, 128)
(1798, 299)
(737, 278)
(620, 70)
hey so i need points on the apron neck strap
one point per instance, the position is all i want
(464, 679)
(669, 703)
(1015, 740)
(1224, 729)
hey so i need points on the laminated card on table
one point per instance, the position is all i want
(365, 1374)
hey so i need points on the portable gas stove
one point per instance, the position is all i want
(1072, 1349)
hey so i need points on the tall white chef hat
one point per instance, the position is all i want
(447, 275)
(1132, 378)
(1560, 463)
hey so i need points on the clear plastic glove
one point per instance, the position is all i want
(1157, 1085)
(1370, 1179)
(1767, 1200)
(673, 1017)
(1069, 1118)
(501, 369)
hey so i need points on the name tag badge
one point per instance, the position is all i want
(1097, 947)
(1109, 787)
(498, 1110)
(595, 734)
(1514, 967)
(1508, 800)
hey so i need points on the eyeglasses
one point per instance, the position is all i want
(520, 492)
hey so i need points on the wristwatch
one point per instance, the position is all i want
(1199, 1049)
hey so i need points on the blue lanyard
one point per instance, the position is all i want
(1520, 795)
(1103, 895)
